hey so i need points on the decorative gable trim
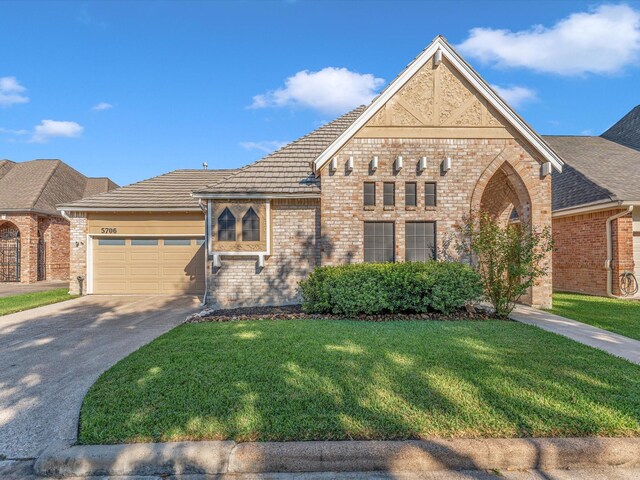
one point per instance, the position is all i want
(440, 47)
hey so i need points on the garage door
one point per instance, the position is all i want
(148, 265)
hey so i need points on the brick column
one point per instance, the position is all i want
(622, 243)
(78, 252)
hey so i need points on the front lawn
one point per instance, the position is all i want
(329, 379)
(619, 316)
(26, 301)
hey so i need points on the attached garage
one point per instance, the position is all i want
(148, 265)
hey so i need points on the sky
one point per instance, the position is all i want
(131, 90)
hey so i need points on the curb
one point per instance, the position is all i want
(212, 457)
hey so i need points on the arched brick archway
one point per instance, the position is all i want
(10, 260)
(504, 192)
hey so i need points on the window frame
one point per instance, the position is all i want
(414, 195)
(255, 218)
(365, 194)
(428, 195)
(145, 242)
(412, 246)
(111, 242)
(385, 194)
(224, 231)
(379, 251)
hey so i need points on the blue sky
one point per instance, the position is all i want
(135, 89)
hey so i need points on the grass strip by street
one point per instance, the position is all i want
(337, 380)
(612, 314)
(27, 301)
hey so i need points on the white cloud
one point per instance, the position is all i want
(603, 41)
(11, 131)
(55, 128)
(515, 95)
(266, 146)
(101, 106)
(11, 92)
(330, 90)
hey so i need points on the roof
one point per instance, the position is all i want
(38, 185)
(98, 185)
(596, 170)
(286, 171)
(170, 191)
(441, 45)
(626, 131)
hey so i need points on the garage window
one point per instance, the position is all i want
(103, 242)
(199, 241)
(226, 226)
(144, 242)
(177, 242)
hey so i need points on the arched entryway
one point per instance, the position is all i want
(42, 257)
(9, 252)
(504, 193)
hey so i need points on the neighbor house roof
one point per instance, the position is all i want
(39, 185)
(626, 131)
(597, 170)
(286, 171)
(171, 191)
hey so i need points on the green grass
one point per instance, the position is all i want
(327, 379)
(26, 301)
(619, 316)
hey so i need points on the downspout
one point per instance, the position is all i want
(65, 216)
(205, 210)
(608, 263)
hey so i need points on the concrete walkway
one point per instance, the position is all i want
(610, 342)
(8, 289)
(50, 356)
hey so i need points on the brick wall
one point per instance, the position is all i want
(475, 162)
(295, 226)
(78, 251)
(55, 232)
(28, 224)
(581, 252)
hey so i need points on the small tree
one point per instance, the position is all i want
(509, 258)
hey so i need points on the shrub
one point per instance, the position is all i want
(373, 288)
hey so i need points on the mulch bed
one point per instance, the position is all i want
(294, 312)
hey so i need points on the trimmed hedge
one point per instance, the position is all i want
(374, 288)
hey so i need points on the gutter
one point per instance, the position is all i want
(609, 261)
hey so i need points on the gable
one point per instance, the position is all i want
(439, 99)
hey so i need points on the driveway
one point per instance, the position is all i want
(50, 356)
(10, 288)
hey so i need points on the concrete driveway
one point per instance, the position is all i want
(50, 356)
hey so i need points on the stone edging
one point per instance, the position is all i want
(210, 457)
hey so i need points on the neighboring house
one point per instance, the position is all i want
(626, 131)
(385, 182)
(596, 213)
(34, 236)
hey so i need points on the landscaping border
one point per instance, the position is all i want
(213, 457)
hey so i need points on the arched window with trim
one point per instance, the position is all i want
(226, 226)
(251, 226)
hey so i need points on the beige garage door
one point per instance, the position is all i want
(148, 265)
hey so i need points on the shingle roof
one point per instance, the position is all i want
(626, 131)
(288, 170)
(38, 185)
(98, 185)
(597, 170)
(171, 190)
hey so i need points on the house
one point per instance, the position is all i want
(385, 182)
(596, 212)
(34, 236)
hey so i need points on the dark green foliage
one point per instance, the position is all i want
(373, 288)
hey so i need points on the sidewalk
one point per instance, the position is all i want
(610, 342)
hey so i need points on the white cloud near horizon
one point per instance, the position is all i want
(330, 90)
(102, 106)
(266, 146)
(48, 129)
(602, 40)
(515, 95)
(11, 131)
(11, 92)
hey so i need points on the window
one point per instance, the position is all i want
(177, 242)
(430, 194)
(389, 194)
(110, 242)
(369, 193)
(199, 241)
(226, 226)
(251, 226)
(410, 194)
(379, 243)
(147, 242)
(420, 241)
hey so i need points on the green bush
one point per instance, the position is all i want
(372, 288)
